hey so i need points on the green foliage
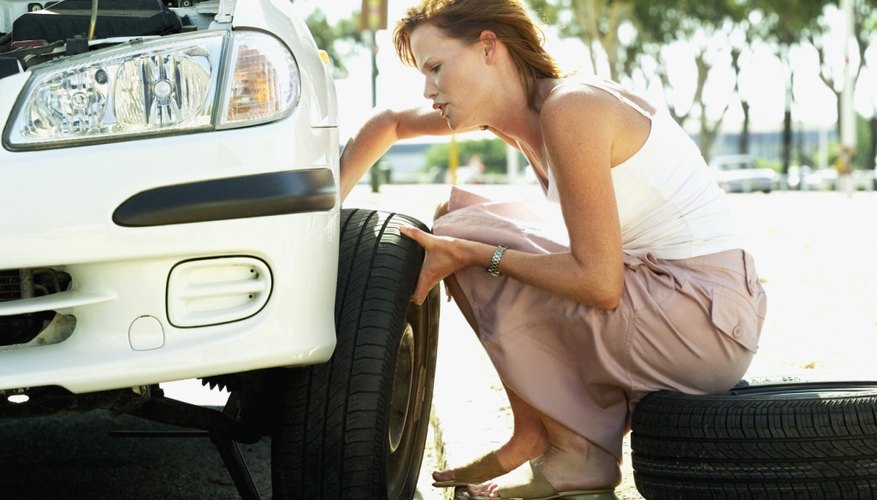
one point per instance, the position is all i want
(771, 164)
(331, 38)
(718, 30)
(787, 22)
(863, 146)
(491, 151)
(545, 10)
(863, 143)
(665, 21)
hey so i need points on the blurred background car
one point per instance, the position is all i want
(739, 174)
(807, 178)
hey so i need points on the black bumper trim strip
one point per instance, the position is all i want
(276, 193)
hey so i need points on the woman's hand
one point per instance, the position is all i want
(443, 258)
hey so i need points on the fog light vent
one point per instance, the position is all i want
(219, 290)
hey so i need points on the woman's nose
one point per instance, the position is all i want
(429, 89)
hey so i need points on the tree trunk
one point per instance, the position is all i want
(707, 138)
(702, 70)
(872, 151)
(787, 140)
(744, 132)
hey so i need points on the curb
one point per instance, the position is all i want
(440, 457)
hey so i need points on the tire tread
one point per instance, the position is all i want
(757, 445)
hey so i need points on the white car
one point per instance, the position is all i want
(739, 174)
(171, 212)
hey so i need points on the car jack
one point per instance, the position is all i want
(222, 427)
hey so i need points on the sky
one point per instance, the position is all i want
(764, 81)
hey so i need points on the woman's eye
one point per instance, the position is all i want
(435, 68)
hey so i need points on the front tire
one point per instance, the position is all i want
(776, 440)
(355, 427)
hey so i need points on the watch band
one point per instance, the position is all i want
(493, 268)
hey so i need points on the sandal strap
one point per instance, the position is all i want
(538, 488)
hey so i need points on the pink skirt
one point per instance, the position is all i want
(689, 325)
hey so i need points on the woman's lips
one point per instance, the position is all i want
(440, 108)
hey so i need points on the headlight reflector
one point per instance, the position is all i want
(155, 87)
(162, 89)
(70, 102)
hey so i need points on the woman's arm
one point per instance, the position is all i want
(579, 131)
(581, 128)
(380, 132)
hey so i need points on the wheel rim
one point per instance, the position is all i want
(403, 384)
(401, 416)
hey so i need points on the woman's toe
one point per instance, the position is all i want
(443, 475)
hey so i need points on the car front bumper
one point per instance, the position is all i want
(119, 218)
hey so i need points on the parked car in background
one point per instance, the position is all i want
(739, 174)
(807, 178)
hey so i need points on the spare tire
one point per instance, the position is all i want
(759, 440)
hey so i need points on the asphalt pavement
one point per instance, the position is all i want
(86, 456)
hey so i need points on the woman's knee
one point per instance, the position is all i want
(440, 210)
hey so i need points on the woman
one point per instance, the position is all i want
(628, 279)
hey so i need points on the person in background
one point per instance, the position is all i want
(628, 278)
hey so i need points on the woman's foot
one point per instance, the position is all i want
(562, 470)
(525, 444)
(477, 471)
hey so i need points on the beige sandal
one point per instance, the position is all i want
(538, 488)
(475, 472)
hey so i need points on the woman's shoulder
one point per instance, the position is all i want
(592, 90)
(570, 88)
(567, 100)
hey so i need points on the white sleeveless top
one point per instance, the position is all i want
(669, 203)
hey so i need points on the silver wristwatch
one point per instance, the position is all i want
(493, 268)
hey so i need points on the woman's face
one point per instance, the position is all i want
(454, 74)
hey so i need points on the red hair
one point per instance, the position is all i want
(465, 20)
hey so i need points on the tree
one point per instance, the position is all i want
(866, 34)
(491, 151)
(785, 24)
(628, 32)
(831, 73)
(333, 39)
(707, 28)
(598, 24)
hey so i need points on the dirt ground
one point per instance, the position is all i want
(813, 251)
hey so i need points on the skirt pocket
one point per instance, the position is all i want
(735, 317)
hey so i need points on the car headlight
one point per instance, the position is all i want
(179, 84)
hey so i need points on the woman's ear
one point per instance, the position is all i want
(488, 43)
